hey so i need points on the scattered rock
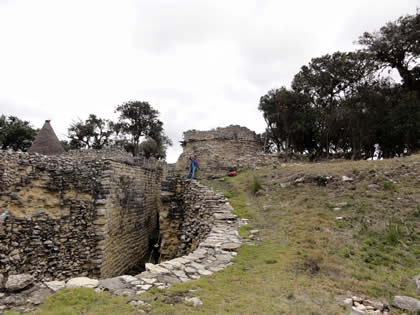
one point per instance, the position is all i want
(406, 303)
(347, 179)
(55, 285)
(194, 300)
(417, 281)
(125, 292)
(375, 304)
(348, 302)
(1, 280)
(300, 180)
(82, 282)
(19, 282)
(372, 186)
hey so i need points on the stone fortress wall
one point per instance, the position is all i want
(222, 150)
(77, 214)
(186, 215)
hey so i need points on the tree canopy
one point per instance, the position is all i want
(342, 103)
(138, 130)
(397, 45)
(93, 133)
(15, 134)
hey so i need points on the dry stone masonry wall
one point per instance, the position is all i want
(76, 216)
(218, 245)
(49, 231)
(222, 150)
(186, 215)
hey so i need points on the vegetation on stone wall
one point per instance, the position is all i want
(344, 104)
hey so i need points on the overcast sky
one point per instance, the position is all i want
(202, 64)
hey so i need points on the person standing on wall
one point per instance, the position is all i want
(193, 166)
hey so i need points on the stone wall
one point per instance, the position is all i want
(71, 216)
(186, 216)
(130, 215)
(49, 231)
(222, 150)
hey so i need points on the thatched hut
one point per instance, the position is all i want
(46, 142)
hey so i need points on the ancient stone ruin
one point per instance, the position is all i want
(46, 141)
(104, 215)
(222, 150)
(76, 216)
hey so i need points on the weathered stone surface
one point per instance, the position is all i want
(113, 284)
(347, 179)
(417, 282)
(222, 150)
(82, 282)
(406, 303)
(55, 285)
(231, 246)
(127, 278)
(156, 269)
(38, 296)
(148, 280)
(18, 282)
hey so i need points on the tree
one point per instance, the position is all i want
(397, 45)
(138, 120)
(329, 81)
(290, 124)
(93, 133)
(15, 134)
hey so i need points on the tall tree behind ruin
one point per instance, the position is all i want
(15, 134)
(138, 121)
(93, 133)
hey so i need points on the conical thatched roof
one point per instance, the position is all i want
(46, 142)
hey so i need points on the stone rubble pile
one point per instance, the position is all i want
(359, 306)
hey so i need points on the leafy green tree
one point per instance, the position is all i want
(329, 81)
(289, 118)
(139, 121)
(397, 45)
(93, 133)
(15, 134)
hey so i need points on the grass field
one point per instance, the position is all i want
(321, 239)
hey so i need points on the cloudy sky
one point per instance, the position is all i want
(202, 64)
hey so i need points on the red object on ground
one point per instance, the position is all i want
(232, 173)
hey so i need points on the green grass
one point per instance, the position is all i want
(306, 259)
(86, 302)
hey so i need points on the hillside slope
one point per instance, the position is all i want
(321, 239)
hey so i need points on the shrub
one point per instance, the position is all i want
(389, 186)
(393, 234)
(256, 185)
